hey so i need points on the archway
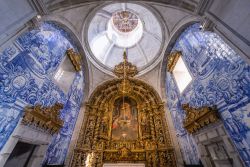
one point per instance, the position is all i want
(209, 60)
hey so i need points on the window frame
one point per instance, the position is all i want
(189, 72)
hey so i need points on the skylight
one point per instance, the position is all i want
(125, 31)
(181, 75)
(123, 25)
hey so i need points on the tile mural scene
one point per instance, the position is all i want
(27, 68)
(109, 83)
(219, 77)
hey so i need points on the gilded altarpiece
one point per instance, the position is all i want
(124, 122)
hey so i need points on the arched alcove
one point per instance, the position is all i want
(215, 69)
(29, 76)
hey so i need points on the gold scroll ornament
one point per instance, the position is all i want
(46, 118)
(125, 69)
(96, 144)
(75, 58)
(172, 60)
(197, 118)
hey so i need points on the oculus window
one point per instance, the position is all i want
(181, 75)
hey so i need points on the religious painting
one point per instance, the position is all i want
(125, 120)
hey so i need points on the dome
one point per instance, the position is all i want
(120, 26)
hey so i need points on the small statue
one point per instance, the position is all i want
(104, 124)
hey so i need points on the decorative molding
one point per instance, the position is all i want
(46, 118)
(75, 58)
(229, 28)
(40, 7)
(207, 24)
(172, 60)
(202, 7)
(197, 118)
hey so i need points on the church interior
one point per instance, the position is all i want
(131, 83)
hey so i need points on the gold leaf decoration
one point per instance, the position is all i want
(197, 118)
(75, 58)
(45, 118)
(172, 60)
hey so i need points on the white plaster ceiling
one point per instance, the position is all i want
(190, 5)
(78, 17)
(141, 51)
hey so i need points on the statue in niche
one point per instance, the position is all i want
(124, 152)
(125, 122)
(145, 129)
(104, 125)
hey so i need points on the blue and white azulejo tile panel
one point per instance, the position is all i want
(26, 70)
(220, 77)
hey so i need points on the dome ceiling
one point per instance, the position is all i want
(120, 26)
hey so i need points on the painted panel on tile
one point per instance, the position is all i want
(220, 77)
(26, 70)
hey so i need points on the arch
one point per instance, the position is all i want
(69, 28)
(96, 135)
(111, 86)
(208, 46)
(181, 27)
(37, 64)
(178, 3)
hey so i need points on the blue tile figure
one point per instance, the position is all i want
(220, 77)
(26, 70)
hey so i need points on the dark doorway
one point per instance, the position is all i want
(20, 155)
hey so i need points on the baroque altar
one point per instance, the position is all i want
(124, 122)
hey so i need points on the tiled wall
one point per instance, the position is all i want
(27, 68)
(220, 77)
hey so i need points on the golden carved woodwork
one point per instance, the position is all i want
(172, 60)
(125, 68)
(46, 118)
(197, 118)
(75, 58)
(95, 145)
